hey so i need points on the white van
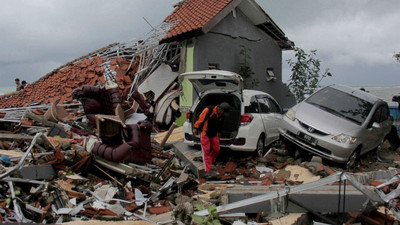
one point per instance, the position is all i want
(254, 117)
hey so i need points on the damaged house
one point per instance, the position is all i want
(197, 35)
(225, 35)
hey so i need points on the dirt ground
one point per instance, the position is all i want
(382, 159)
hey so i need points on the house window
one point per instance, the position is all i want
(213, 66)
(270, 74)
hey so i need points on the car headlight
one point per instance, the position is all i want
(345, 139)
(291, 114)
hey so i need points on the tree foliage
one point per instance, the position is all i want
(306, 77)
(244, 68)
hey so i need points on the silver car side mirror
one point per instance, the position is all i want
(376, 125)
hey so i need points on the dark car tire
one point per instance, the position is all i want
(260, 147)
(353, 158)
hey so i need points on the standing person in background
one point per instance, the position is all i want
(18, 84)
(23, 84)
(209, 125)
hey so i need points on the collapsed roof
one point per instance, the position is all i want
(130, 63)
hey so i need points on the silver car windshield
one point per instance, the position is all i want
(341, 104)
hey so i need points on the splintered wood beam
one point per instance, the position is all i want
(40, 119)
(18, 137)
(173, 126)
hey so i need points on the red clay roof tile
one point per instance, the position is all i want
(61, 83)
(193, 15)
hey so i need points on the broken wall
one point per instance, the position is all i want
(222, 46)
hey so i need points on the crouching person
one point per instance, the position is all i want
(209, 125)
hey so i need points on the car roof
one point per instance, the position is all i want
(212, 72)
(247, 94)
(356, 92)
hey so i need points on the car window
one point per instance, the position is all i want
(341, 104)
(264, 104)
(253, 107)
(274, 107)
(381, 114)
(377, 115)
(385, 113)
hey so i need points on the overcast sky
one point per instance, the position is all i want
(356, 40)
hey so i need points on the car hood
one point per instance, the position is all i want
(323, 120)
(214, 79)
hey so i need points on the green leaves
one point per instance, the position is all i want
(211, 219)
(244, 68)
(306, 75)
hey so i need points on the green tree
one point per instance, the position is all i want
(244, 68)
(397, 56)
(306, 77)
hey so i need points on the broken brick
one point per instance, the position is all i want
(376, 183)
(329, 170)
(230, 167)
(320, 168)
(159, 209)
(266, 182)
(282, 165)
(27, 122)
(106, 212)
(130, 207)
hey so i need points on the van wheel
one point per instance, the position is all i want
(260, 146)
(352, 161)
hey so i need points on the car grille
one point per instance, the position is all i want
(316, 147)
(312, 129)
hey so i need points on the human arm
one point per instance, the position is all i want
(199, 124)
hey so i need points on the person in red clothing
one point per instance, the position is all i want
(210, 124)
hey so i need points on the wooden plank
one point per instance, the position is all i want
(18, 137)
(175, 136)
(187, 154)
(168, 134)
(40, 119)
(11, 153)
(123, 169)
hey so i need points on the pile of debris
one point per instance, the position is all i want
(102, 144)
(78, 161)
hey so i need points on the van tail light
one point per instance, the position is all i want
(245, 119)
(188, 115)
(188, 137)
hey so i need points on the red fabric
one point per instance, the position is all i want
(209, 157)
(96, 100)
(59, 160)
(136, 149)
(92, 106)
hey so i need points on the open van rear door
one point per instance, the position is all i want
(214, 79)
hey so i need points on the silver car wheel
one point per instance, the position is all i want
(352, 159)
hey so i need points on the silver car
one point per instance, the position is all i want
(338, 123)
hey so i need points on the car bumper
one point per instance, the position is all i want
(193, 140)
(244, 140)
(324, 146)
